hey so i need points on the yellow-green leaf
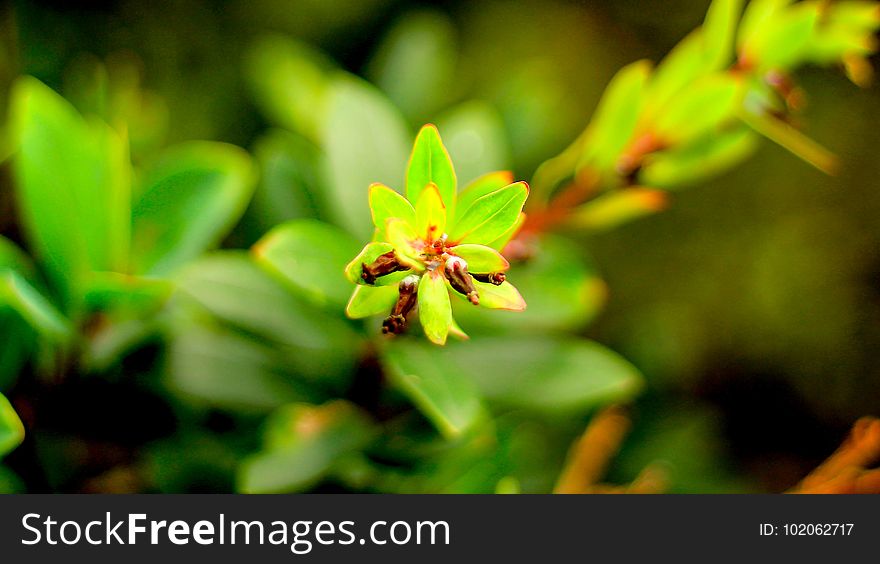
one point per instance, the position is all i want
(435, 311)
(481, 259)
(430, 162)
(368, 300)
(430, 214)
(385, 203)
(491, 216)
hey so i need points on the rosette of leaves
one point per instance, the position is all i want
(436, 243)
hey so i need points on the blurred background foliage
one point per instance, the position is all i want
(748, 310)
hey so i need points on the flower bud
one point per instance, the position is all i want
(382, 266)
(494, 278)
(406, 300)
(460, 280)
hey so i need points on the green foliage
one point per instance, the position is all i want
(11, 429)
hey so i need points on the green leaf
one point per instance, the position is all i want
(548, 375)
(290, 83)
(430, 163)
(430, 221)
(81, 168)
(491, 215)
(367, 301)
(365, 140)
(419, 44)
(475, 136)
(219, 368)
(290, 185)
(312, 344)
(481, 259)
(783, 42)
(678, 70)
(191, 198)
(505, 296)
(111, 292)
(617, 207)
(435, 311)
(311, 257)
(368, 255)
(719, 31)
(443, 394)
(616, 116)
(480, 187)
(11, 429)
(501, 242)
(757, 18)
(385, 204)
(302, 445)
(698, 160)
(35, 309)
(708, 103)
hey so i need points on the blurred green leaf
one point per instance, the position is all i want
(420, 44)
(11, 429)
(115, 293)
(435, 311)
(783, 41)
(290, 186)
(505, 296)
(615, 119)
(216, 367)
(302, 443)
(311, 257)
(289, 81)
(429, 163)
(191, 198)
(476, 138)
(490, 216)
(34, 308)
(719, 32)
(698, 160)
(617, 207)
(442, 393)
(366, 141)
(79, 167)
(314, 345)
(553, 376)
(684, 64)
(703, 106)
(481, 259)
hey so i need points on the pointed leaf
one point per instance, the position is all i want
(481, 259)
(616, 116)
(430, 214)
(74, 187)
(481, 186)
(429, 162)
(491, 215)
(719, 32)
(435, 311)
(385, 203)
(367, 301)
(502, 241)
(191, 198)
(311, 257)
(446, 397)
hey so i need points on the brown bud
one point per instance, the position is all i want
(406, 300)
(382, 266)
(460, 280)
(494, 278)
